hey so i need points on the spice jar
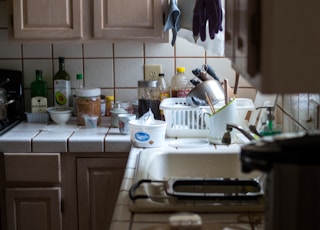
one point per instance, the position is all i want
(88, 104)
(149, 98)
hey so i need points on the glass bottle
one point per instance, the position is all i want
(39, 94)
(62, 86)
(180, 86)
(164, 91)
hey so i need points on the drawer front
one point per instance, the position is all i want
(30, 167)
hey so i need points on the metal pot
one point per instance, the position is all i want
(3, 108)
(214, 90)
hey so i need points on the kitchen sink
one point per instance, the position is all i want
(195, 179)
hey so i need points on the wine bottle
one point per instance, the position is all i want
(62, 86)
(39, 94)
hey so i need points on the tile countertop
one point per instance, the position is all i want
(124, 219)
(42, 137)
(38, 137)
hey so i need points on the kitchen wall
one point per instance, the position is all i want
(117, 67)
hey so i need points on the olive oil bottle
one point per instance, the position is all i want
(39, 94)
(62, 86)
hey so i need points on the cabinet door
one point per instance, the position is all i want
(33, 208)
(123, 19)
(229, 29)
(98, 183)
(50, 19)
(247, 36)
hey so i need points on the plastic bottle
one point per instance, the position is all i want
(109, 105)
(164, 91)
(180, 86)
(39, 94)
(62, 86)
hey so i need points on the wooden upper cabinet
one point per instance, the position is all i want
(87, 21)
(49, 19)
(122, 19)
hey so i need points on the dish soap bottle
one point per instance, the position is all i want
(39, 94)
(180, 86)
(164, 91)
(270, 127)
(62, 86)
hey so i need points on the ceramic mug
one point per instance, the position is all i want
(124, 122)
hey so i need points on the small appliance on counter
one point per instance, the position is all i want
(11, 99)
(292, 186)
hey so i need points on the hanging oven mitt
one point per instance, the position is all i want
(173, 20)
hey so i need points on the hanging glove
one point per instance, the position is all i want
(207, 10)
(199, 20)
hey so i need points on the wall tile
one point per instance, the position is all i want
(67, 50)
(128, 49)
(186, 48)
(159, 50)
(37, 50)
(98, 73)
(126, 95)
(128, 72)
(103, 50)
(11, 64)
(10, 50)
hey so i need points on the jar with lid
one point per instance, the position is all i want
(88, 103)
(149, 98)
(127, 105)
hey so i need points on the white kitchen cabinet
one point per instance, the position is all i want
(98, 182)
(274, 44)
(88, 20)
(32, 192)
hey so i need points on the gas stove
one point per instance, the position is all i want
(7, 124)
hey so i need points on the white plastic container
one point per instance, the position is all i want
(184, 120)
(147, 135)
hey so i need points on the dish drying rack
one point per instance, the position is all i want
(184, 120)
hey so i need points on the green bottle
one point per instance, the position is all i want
(39, 94)
(62, 86)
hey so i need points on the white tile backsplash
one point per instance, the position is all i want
(116, 68)
(37, 50)
(98, 73)
(99, 50)
(128, 71)
(128, 49)
(70, 50)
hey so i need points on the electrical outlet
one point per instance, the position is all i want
(151, 72)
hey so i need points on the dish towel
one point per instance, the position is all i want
(173, 20)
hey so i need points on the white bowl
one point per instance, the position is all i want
(60, 115)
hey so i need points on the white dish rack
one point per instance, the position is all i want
(184, 120)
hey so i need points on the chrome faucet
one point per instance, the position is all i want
(226, 139)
